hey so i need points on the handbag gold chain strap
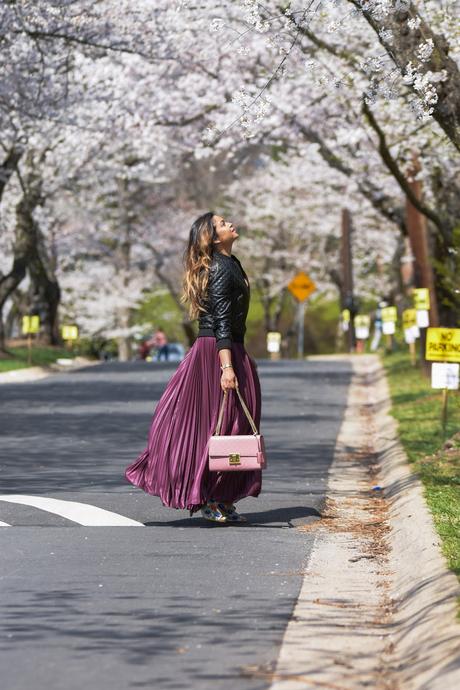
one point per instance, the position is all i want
(246, 411)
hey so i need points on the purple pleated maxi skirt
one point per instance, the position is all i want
(174, 466)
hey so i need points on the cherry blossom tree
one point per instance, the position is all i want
(119, 124)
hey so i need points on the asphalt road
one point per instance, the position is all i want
(175, 602)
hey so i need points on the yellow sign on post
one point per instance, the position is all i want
(389, 314)
(409, 318)
(345, 321)
(273, 341)
(443, 345)
(362, 321)
(30, 324)
(69, 332)
(301, 286)
(421, 299)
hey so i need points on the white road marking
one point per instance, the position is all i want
(82, 513)
(4, 524)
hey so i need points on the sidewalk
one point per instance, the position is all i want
(378, 606)
(36, 373)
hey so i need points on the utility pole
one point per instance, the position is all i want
(418, 236)
(348, 300)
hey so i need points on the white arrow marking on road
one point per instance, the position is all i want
(4, 524)
(82, 513)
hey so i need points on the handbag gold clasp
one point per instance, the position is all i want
(234, 459)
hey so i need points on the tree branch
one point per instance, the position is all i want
(9, 165)
(399, 176)
(381, 202)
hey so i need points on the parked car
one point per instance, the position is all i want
(176, 353)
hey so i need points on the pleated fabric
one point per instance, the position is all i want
(174, 465)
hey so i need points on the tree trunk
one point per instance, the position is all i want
(8, 284)
(29, 254)
(124, 344)
(20, 302)
(9, 166)
(10, 281)
(423, 270)
(45, 292)
(22, 247)
(279, 309)
(124, 250)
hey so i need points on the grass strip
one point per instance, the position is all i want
(42, 356)
(435, 458)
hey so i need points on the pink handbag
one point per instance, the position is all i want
(236, 453)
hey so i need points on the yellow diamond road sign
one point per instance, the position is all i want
(443, 344)
(301, 286)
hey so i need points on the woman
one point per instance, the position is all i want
(174, 466)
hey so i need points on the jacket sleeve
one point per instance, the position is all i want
(220, 304)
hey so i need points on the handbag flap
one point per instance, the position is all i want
(244, 445)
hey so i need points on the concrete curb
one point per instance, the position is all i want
(377, 606)
(423, 591)
(36, 373)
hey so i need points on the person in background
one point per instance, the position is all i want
(377, 327)
(144, 349)
(159, 341)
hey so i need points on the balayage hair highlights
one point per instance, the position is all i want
(197, 262)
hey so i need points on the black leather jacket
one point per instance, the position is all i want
(226, 302)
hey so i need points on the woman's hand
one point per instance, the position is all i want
(228, 379)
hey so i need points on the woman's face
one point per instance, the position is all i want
(225, 230)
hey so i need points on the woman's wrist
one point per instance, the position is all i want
(226, 366)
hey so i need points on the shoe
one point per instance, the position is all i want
(211, 512)
(231, 513)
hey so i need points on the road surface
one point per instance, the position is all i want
(121, 592)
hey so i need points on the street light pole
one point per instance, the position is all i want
(418, 236)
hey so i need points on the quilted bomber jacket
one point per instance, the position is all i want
(226, 302)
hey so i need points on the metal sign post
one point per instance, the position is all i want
(411, 332)
(30, 324)
(444, 411)
(301, 328)
(389, 319)
(443, 350)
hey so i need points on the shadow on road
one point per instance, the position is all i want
(266, 518)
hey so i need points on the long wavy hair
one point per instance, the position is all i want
(197, 262)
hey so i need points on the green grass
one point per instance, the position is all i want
(417, 409)
(42, 355)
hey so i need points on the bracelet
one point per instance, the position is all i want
(226, 366)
